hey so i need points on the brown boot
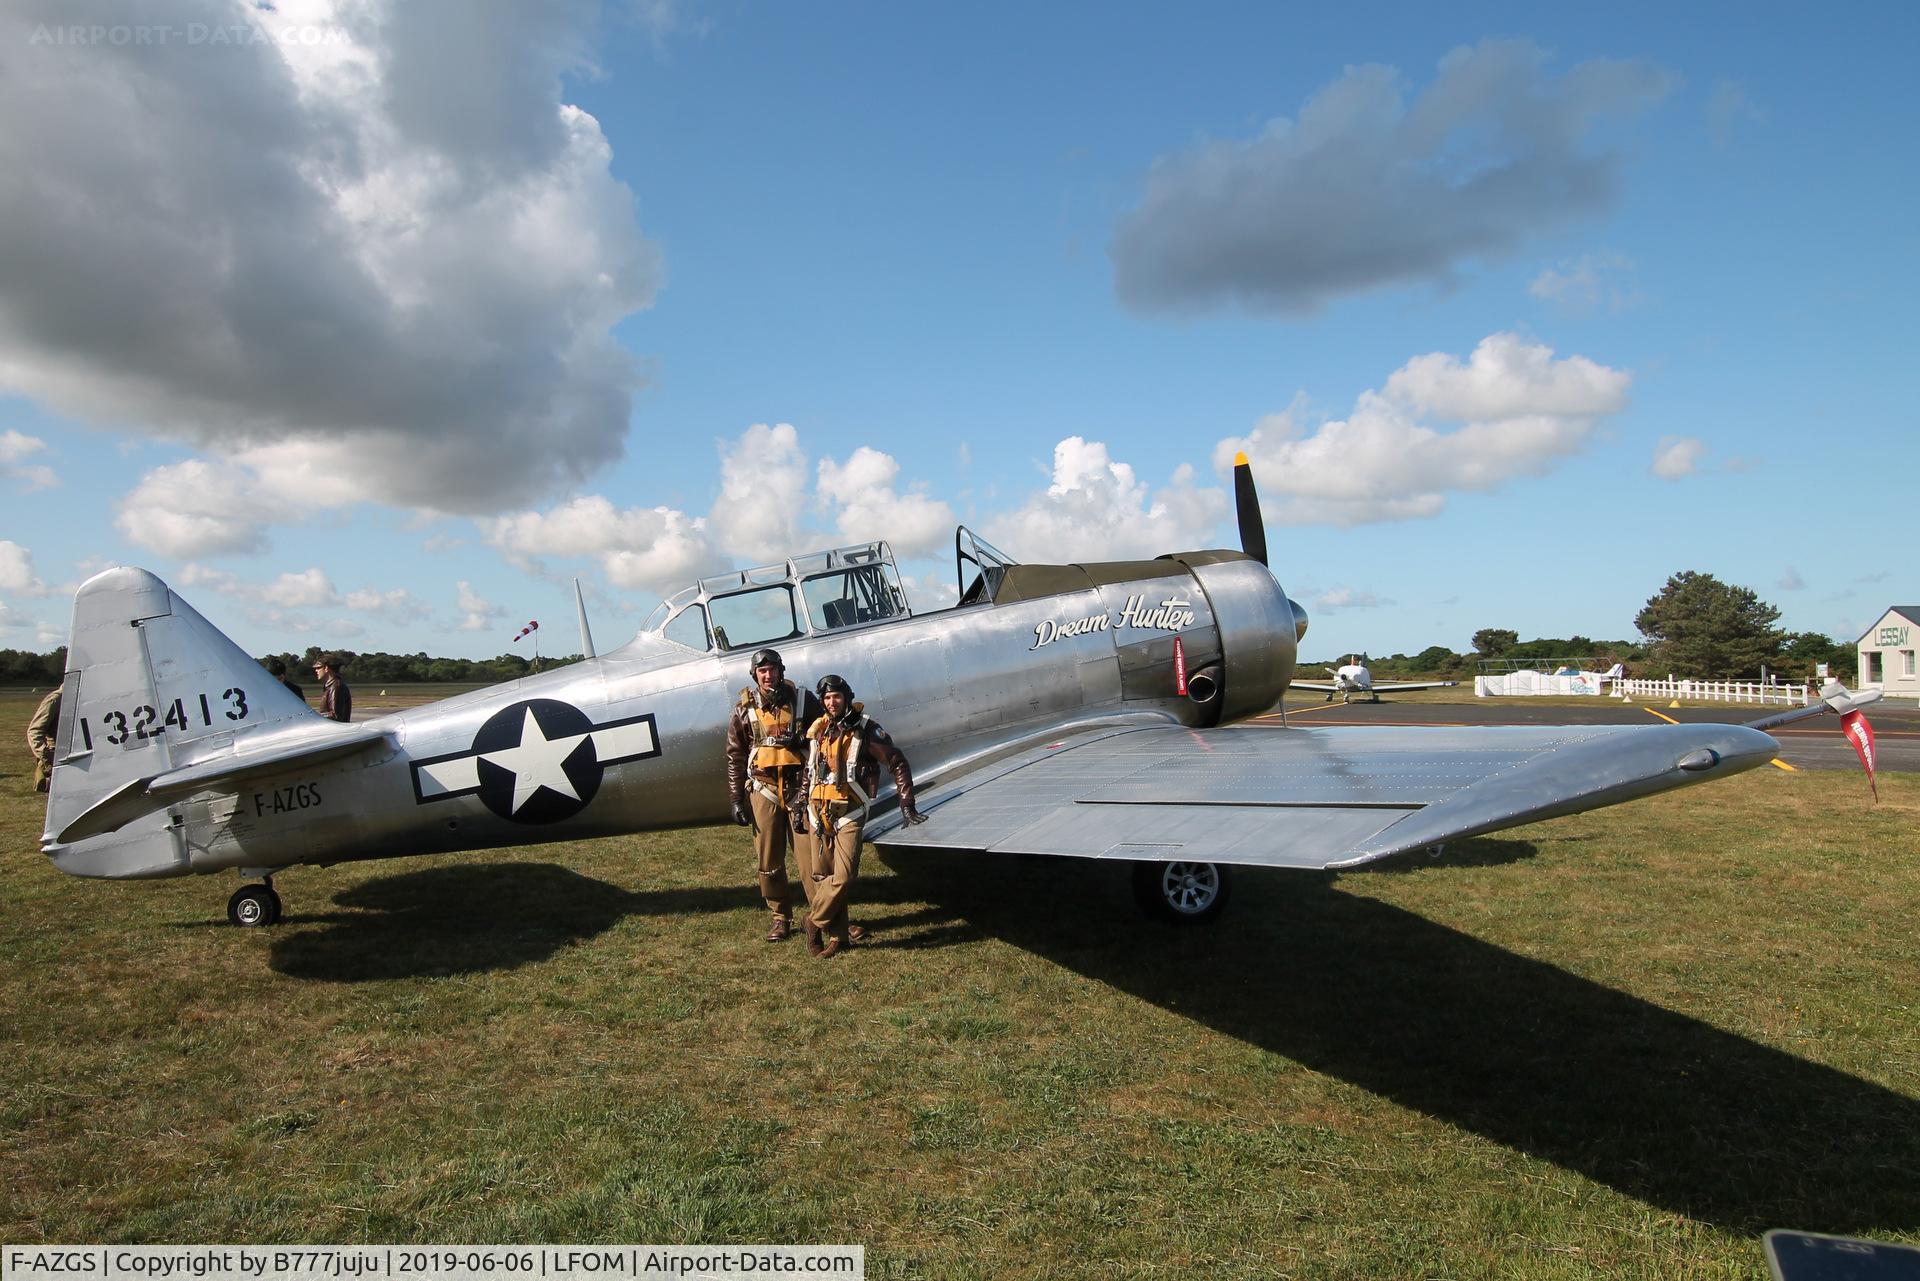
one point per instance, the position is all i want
(856, 934)
(814, 945)
(780, 930)
(834, 947)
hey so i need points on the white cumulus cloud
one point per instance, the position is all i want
(870, 507)
(16, 571)
(478, 613)
(766, 489)
(1677, 456)
(397, 605)
(1097, 509)
(1364, 189)
(763, 491)
(15, 448)
(1520, 411)
(198, 507)
(652, 548)
(396, 251)
(306, 589)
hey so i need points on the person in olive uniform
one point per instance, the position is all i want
(846, 751)
(766, 748)
(40, 738)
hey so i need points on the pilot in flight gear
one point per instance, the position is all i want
(765, 762)
(844, 756)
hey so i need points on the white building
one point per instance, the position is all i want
(1887, 652)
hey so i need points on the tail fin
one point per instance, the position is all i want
(150, 686)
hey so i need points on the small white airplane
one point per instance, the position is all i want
(1352, 677)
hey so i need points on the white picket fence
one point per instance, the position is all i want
(1714, 691)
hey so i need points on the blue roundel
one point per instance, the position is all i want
(537, 762)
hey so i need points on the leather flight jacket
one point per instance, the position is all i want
(843, 765)
(766, 746)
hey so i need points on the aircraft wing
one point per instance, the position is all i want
(1306, 798)
(1390, 686)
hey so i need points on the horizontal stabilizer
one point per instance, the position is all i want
(308, 745)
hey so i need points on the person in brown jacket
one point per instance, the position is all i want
(40, 737)
(336, 700)
(766, 748)
(846, 751)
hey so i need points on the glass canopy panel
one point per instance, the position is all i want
(862, 594)
(747, 619)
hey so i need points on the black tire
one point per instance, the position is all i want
(1182, 893)
(253, 906)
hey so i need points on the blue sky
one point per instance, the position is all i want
(372, 327)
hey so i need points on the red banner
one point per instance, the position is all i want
(1860, 733)
(1179, 667)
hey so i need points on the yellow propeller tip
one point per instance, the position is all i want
(1240, 459)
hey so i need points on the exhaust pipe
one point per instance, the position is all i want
(1203, 687)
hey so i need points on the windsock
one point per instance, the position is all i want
(1859, 732)
(533, 626)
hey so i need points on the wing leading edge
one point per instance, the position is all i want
(1309, 798)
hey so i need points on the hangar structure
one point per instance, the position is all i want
(1888, 652)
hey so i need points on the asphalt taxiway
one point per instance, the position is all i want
(1815, 743)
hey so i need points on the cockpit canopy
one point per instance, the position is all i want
(805, 596)
(831, 591)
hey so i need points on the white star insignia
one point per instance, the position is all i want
(537, 762)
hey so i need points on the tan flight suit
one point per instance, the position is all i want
(843, 765)
(40, 735)
(765, 766)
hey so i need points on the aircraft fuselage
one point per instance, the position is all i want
(634, 740)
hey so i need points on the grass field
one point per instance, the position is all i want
(1618, 1044)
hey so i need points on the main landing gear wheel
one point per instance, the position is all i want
(1183, 893)
(254, 905)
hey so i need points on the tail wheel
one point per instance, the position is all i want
(254, 905)
(1183, 893)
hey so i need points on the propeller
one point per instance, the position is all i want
(1253, 530)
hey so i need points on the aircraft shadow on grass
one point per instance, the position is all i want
(440, 921)
(1654, 1103)
(465, 920)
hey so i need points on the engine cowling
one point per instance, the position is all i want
(1260, 630)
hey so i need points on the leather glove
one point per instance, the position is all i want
(913, 816)
(740, 814)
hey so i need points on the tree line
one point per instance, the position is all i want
(1695, 626)
(23, 667)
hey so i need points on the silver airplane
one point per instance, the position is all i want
(1352, 677)
(1082, 710)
